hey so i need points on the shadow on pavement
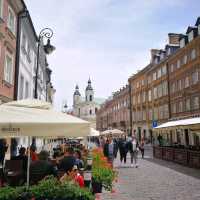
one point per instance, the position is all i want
(179, 168)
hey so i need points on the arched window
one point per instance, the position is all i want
(90, 97)
(90, 112)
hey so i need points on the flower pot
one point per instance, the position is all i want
(96, 187)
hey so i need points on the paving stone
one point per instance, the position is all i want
(155, 180)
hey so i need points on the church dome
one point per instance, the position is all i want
(89, 86)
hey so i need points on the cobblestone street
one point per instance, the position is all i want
(155, 180)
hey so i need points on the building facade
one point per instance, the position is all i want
(115, 112)
(86, 108)
(9, 11)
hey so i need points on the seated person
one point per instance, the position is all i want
(79, 162)
(22, 156)
(67, 163)
(42, 167)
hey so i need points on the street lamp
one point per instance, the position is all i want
(48, 49)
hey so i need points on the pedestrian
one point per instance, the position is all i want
(142, 146)
(3, 150)
(134, 145)
(122, 149)
(110, 150)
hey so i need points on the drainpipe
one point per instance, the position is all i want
(130, 109)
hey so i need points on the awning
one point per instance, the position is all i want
(178, 123)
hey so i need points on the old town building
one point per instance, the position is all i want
(166, 89)
(9, 11)
(115, 112)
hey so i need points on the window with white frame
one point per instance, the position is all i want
(154, 76)
(174, 108)
(144, 97)
(165, 88)
(193, 54)
(171, 67)
(166, 111)
(159, 72)
(150, 114)
(144, 115)
(182, 42)
(149, 79)
(164, 70)
(155, 113)
(155, 93)
(134, 100)
(1, 8)
(190, 36)
(179, 86)
(195, 103)
(187, 105)
(160, 91)
(178, 64)
(195, 77)
(173, 87)
(185, 59)
(187, 81)
(8, 68)
(149, 95)
(11, 20)
(180, 106)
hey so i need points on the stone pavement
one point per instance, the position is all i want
(155, 180)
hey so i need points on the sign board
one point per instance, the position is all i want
(154, 124)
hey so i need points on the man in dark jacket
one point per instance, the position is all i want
(42, 167)
(68, 162)
(122, 149)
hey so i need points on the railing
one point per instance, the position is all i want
(181, 156)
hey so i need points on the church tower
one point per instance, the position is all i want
(77, 96)
(89, 92)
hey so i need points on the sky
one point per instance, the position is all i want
(106, 40)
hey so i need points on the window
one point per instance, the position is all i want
(185, 59)
(154, 76)
(164, 70)
(195, 77)
(155, 113)
(8, 70)
(155, 93)
(160, 109)
(137, 84)
(21, 89)
(165, 88)
(90, 97)
(173, 87)
(90, 112)
(179, 85)
(134, 100)
(1, 8)
(11, 20)
(187, 105)
(173, 108)
(180, 106)
(190, 36)
(23, 41)
(193, 54)
(166, 111)
(149, 95)
(160, 90)
(138, 100)
(182, 42)
(144, 115)
(142, 82)
(171, 67)
(195, 103)
(187, 82)
(159, 72)
(178, 64)
(149, 79)
(150, 114)
(143, 97)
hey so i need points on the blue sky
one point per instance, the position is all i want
(107, 40)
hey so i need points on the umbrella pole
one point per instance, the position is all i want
(28, 164)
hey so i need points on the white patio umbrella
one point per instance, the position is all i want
(112, 132)
(34, 118)
(93, 133)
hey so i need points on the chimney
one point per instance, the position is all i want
(174, 38)
(154, 52)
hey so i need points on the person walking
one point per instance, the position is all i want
(142, 146)
(110, 150)
(122, 149)
(134, 147)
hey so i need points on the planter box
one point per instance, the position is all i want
(194, 159)
(181, 156)
(168, 154)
